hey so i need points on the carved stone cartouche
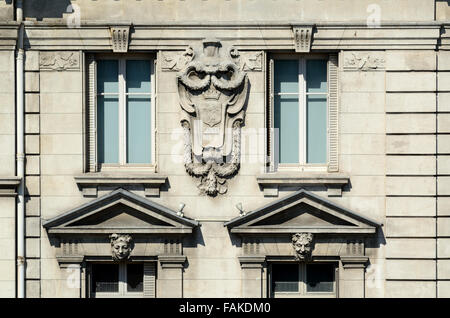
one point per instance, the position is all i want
(213, 91)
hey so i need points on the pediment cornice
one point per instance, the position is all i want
(120, 212)
(299, 212)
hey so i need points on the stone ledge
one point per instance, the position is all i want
(354, 261)
(8, 186)
(172, 261)
(271, 182)
(89, 182)
(252, 261)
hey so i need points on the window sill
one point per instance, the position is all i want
(8, 186)
(89, 182)
(334, 182)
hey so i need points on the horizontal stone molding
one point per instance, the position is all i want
(8, 186)
(89, 183)
(271, 182)
(8, 35)
(254, 36)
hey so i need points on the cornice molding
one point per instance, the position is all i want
(271, 182)
(8, 186)
(89, 182)
(250, 36)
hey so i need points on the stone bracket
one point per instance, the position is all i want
(89, 183)
(303, 38)
(252, 261)
(270, 183)
(67, 260)
(120, 37)
(172, 261)
(8, 186)
(354, 261)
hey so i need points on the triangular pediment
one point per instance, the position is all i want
(302, 211)
(120, 212)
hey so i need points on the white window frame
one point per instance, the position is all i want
(94, 165)
(302, 287)
(122, 293)
(331, 94)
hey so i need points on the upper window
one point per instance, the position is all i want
(300, 112)
(303, 280)
(124, 112)
(117, 279)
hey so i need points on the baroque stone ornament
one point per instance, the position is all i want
(175, 61)
(363, 61)
(121, 246)
(303, 245)
(212, 91)
(59, 61)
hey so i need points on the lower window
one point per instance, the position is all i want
(303, 280)
(117, 280)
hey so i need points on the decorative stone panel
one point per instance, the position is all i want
(59, 61)
(364, 61)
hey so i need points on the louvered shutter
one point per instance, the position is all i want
(333, 142)
(270, 121)
(92, 114)
(150, 279)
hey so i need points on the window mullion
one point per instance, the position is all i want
(122, 112)
(302, 110)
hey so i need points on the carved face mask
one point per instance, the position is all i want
(120, 247)
(302, 244)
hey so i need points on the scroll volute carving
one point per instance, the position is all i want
(213, 92)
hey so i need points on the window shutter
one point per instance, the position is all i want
(333, 143)
(270, 124)
(92, 114)
(150, 280)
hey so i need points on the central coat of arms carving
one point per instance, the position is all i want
(213, 91)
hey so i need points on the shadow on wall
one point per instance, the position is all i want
(44, 9)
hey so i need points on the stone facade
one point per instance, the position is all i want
(380, 212)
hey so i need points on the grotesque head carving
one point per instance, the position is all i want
(303, 245)
(121, 246)
(212, 91)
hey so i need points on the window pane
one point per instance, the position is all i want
(286, 121)
(138, 129)
(108, 129)
(107, 76)
(320, 278)
(105, 278)
(286, 76)
(316, 124)
(135, 277)
(138, 76)
(285, 277)
(316, 76)
(108, 111)
(138, 112)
